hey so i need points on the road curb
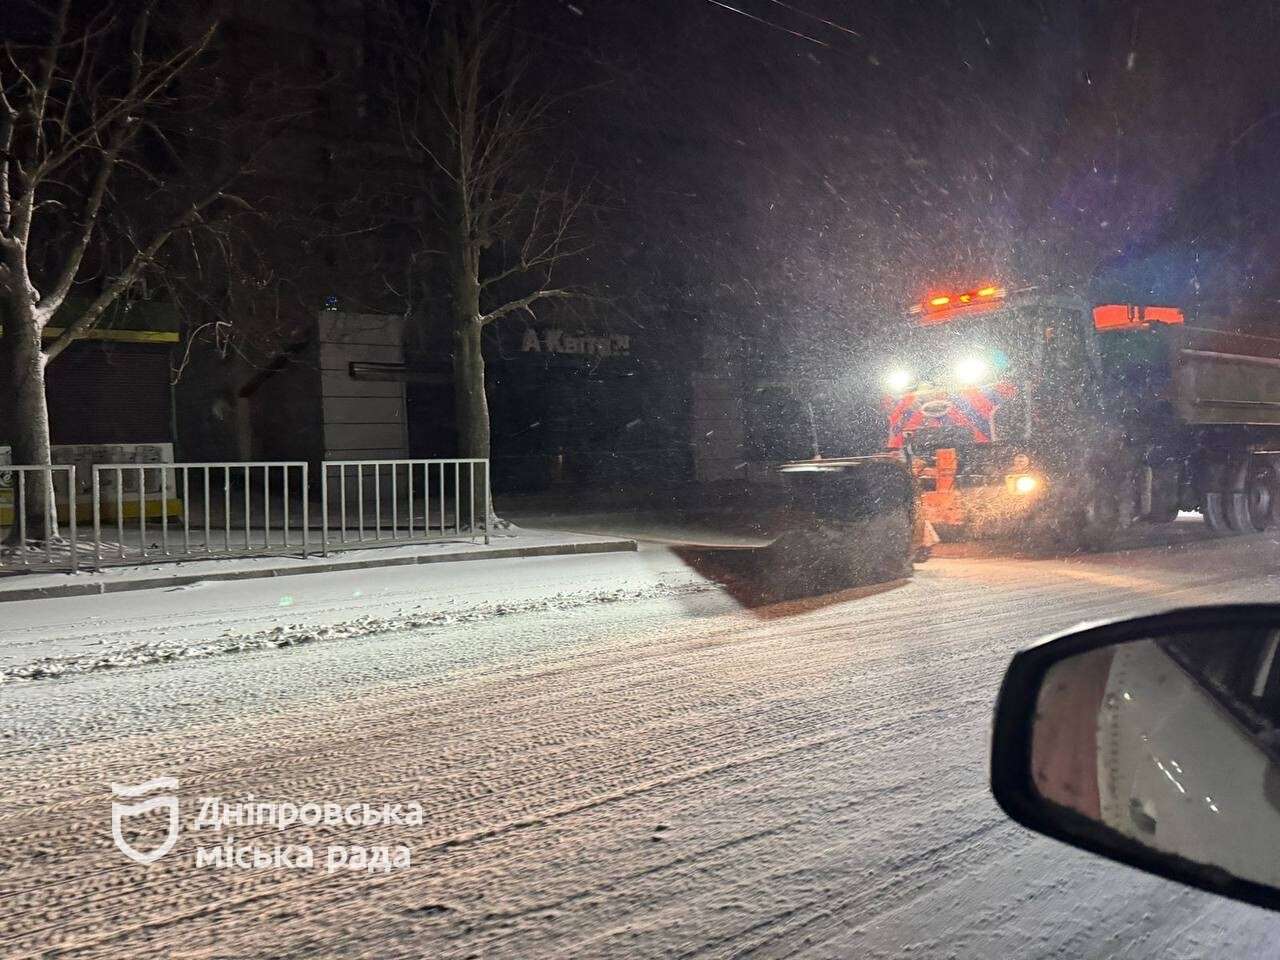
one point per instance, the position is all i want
(182, 580)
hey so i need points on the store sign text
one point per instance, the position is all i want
(557, 341)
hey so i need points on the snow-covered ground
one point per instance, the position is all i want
(614, 755)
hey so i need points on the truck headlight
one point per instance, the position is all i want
(972, 370)
(899, 380)
(1025, 484)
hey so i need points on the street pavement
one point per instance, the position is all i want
(629, 754)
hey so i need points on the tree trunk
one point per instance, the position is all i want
(29, 426)
(472, 418)
(472, 406)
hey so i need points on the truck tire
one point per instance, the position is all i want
(1252, 510)
(1214, 510)
(1212, 484)
(1273, 476)
(1166, 513)
(1103, 514)
(1085, 521)
(1262, 492)
(1164, 494)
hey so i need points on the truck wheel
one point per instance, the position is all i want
(1046, 534)
(1102, 515)
(1164, 494)
(1214, 510)
(1089, 521)
(1252, 510)
(1273, 483)
(1076, 521)
(1237, 504)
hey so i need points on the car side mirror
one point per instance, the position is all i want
(1154, 742)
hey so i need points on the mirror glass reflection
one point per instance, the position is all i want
(1173, 742)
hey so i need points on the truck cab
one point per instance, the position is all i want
(988, 392)
(1019, 406)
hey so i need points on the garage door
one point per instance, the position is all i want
(109, 393)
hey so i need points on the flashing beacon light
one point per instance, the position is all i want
(945, 301)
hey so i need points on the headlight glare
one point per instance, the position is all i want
(899, 380)
(972, 369)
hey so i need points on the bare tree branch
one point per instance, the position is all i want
(523, 303)
(48, 64)
(142, 258)
(8, 121)
(489, 229)
(147, 88)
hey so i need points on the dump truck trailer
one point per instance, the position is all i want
(1044, 414)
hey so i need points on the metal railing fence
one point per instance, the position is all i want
(412, 500)
(147, 512)
(201, 510)
(30, 537)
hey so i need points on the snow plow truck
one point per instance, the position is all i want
(1027, 412)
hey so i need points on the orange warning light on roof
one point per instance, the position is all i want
(940, 308)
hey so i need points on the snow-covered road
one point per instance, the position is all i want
(613, 755)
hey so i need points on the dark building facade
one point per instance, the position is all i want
(587, 407)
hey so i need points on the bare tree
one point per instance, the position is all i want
(473, 127)
(86, 137)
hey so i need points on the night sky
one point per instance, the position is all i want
(802, 186)
(796, 171)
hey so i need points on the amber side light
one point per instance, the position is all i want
(1113, 316)
(1162, 315)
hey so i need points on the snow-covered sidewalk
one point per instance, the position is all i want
(79, 635)
(527, 543)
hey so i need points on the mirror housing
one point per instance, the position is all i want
(1017, 776)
